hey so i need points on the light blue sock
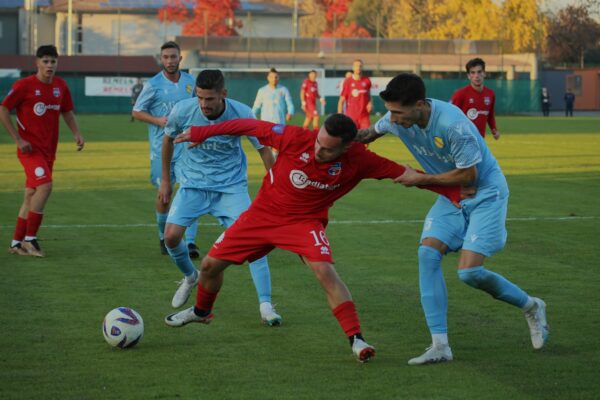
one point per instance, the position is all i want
(190, 233)
(496, 285)
(434, 296)
(262, 279)
(181, 258)
(161, 221)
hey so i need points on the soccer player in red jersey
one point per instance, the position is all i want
(309, 93)
(290, 211)
(356, 94)
(476, 100)
(39, 100)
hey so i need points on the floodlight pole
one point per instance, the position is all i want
(70, 28)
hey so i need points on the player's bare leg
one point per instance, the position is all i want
(32, 210)
(315, 121)
(306, 122)
(340, 301)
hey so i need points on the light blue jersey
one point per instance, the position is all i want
(157, 98)
(218, 164)
(273, 104)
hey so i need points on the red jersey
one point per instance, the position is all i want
(357, 94)
(38, 107)
(298, 187)
(311, 93)
(478, 107)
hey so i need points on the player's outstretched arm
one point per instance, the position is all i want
(367, 135)
(456, 177)
(71, 122)
(262, 130)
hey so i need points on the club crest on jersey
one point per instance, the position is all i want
(438, 141)
(304, 157)
(487, 101)
(278, 129)
(56, 92)
(335, 169)
(37, 92)
(471, 100)
(188, 88)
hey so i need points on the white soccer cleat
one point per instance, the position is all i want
(268, 314)
(362, 350)
(186, 316)
(433, 355)
(184, 290)
(538, 326)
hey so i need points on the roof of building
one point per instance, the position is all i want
(21, 3)
(88, 64)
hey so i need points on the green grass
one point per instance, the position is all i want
(52, 308)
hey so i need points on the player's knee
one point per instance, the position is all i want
(428, 253)
(473, 277)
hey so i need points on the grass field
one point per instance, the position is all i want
(102, 252)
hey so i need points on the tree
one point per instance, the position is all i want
(336, 25)
(210, 17)
(570, 34)
(523, 25)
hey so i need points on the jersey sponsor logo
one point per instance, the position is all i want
(56, 92)
(278, 129)
(357, 92)
(471, 100)
(300, 181)
(472, 113)
(40, 108)
(487, 101)
(304, 157)
(335, 169)
(438, 141)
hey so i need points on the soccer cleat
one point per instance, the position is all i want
(182, 294)
(32, 248)
(268, 314)
(186, 316)
(433, 355)
(362, 350)
(538, 326)
(163, 248)
(193, 251)
(17, 249)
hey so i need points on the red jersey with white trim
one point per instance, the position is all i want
(298, 187)
(357, 94)
(477, 106)
(311, 93)
(38, 107)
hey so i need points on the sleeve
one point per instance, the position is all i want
(464, 147)
(66, 104)
(345, 87)
(492, 114)
(369, 89)
(15, 96)
(456, 99)
(144, 100)
(376, 167)
(258, 102)
(173, 127)
(384, 125)
(288, 102)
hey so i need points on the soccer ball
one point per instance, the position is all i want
(123, 327)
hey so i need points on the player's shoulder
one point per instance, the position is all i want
(238, 108)
(487, 91)
(155, 80)
(185, 104)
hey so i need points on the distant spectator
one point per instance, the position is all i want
(569, 102)
(136, 89)
(545, 98)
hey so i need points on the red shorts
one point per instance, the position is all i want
(361, 121)
(252, 237)
(38, 169)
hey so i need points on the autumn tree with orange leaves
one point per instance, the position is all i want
(337, 26)
(206, 17)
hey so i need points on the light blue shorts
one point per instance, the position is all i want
(189, 204)
(480, 226)
(156, 172)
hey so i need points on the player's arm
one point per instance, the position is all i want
(458, 176)
(267, 157)
(258, 102)
(22, 144)
(71, 121)
(369, 106)
(143, 104)
(492, 120)
(302, 101)
(341, 101)
(289, 104)
(367, 135)
(150, 119)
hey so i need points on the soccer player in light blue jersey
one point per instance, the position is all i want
(452, 152)
(273, 101)
(213, 180)
(152, 106)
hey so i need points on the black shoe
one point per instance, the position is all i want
(163, 248)
(193, 251)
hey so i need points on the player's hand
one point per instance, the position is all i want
(24, 146)
(165, 191)
(496, 134)
(323, 102)
(369, 107)
(162, 121)
(79, 141)
(409, 178)
(288, 117)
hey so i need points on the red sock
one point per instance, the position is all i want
(34, 220)
(204, 299)
(347, 318)
(20, 229)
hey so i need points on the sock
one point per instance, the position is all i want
(434, 296)
(528, 304)
(347, 318)
(496, 285)
(181, 258)
(34, 220)
(20, 230)
(259, 269)
(439, 339)
(190, 233)
(204, 301)
(161, 221)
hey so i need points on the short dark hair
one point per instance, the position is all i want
(273, 70)
(342, 126)
(170, 45)
(405, 88)
(46, 50)
(475, 62)
(211, 79)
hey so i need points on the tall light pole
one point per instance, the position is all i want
(70, 28)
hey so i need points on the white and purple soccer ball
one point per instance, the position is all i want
(123, 327)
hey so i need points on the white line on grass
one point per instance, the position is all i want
(334, 222)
